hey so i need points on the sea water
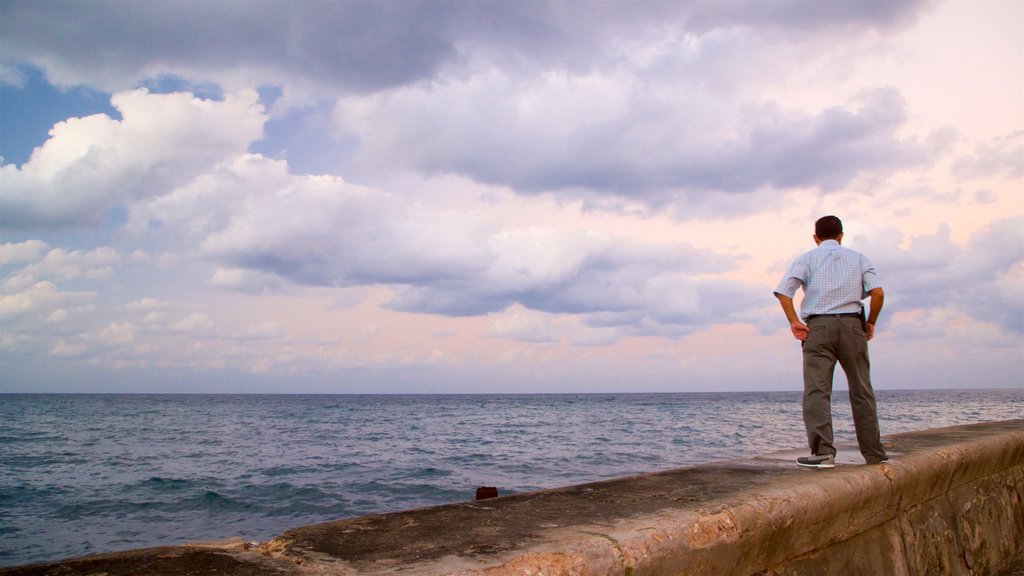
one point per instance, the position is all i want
(82, 474)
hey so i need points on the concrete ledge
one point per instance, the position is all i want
(950, 502)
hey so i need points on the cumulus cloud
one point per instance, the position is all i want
(13, 252)
(609, 281)
(39, 300)
(69, 264)
(627, 136)
(55, 297)
(155, 318)
(520, 323)
(56, 263)
(982, 279)
(117, 334)
(323, 231)
(206, 204)
(250, 281)
(195, 322)
(90, 165)
(600, 99)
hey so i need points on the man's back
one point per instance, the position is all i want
(835, 279)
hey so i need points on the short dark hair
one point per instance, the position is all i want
(828, 228)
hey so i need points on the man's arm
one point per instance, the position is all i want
(798, 328)
(877, 298)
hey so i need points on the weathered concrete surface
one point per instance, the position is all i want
(1015, 568)
(225, 557)
(950, 502)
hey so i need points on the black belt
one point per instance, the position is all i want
(842, 315)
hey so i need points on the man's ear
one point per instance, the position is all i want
(816, 239)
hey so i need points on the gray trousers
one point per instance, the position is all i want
(841, 339)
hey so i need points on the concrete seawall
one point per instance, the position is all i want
(951, 501)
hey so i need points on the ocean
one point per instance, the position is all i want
(82, 474)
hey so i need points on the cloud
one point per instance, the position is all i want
(195, 322)
(39, 300)
(149, 304)
(249, 281)
(65, 350)
(69, 264)
(982, 278)
(608, 281)
(11, 75)
(155, 318)
(117, 334)
(626, 136)
(368, 46)
(441, 145)
(791, 16)
(266, 230)
(323, 231)
(55, 264)
(13, 252)
(520, 323)
(367, 333)
(90, 165)
(39, 311)
(265, 331)
(207, 203)
(1002, 156)
(647, 103)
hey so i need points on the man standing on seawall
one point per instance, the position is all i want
(835, 280)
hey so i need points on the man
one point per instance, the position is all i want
(835, 280)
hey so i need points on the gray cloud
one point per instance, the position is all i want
(603, 277)
(604, 101)
(320, 231)
(365, 46)
(795, 15)
(1001, 156)
(359, 45)
(597, 136)
(982, 279)
(323, 232)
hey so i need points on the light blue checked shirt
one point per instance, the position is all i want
(835, 280)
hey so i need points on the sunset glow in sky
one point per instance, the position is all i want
(487, 197)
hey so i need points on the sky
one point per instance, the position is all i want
(500, 197)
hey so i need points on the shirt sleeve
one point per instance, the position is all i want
(793, 279)
(870, 278)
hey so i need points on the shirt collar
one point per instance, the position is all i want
(828, 244)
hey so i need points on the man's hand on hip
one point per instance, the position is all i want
(800, 330)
